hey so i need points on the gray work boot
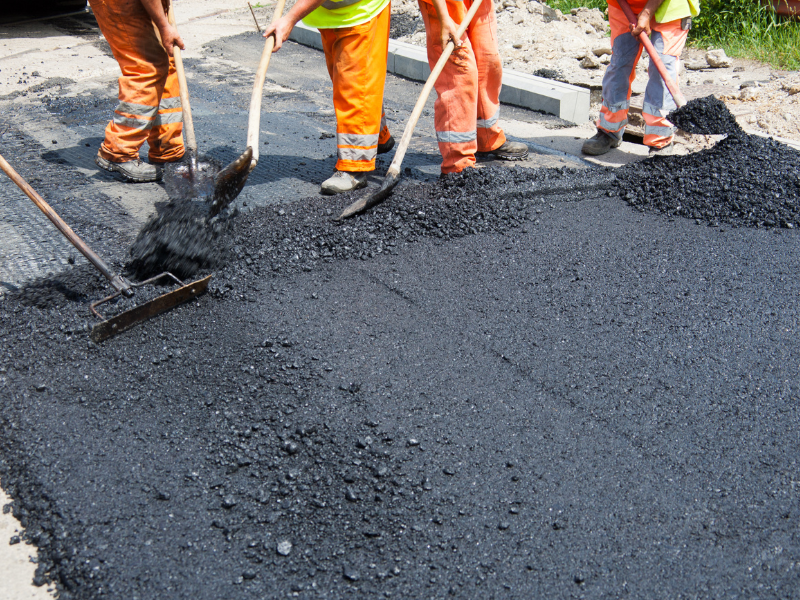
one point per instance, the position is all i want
(343, 181)
(135, 171)
(510, 151)
(667, 150)
(599, 144)
(385, 147)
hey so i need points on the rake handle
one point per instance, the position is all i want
(394, 168)
(680, 100)
(254, 118)
(117, 281)
(186, 107)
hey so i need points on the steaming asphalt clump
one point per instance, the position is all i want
(744, 181)
(179, 240)
(707, 116)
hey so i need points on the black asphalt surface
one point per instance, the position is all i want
(581, 401)
(505, 384)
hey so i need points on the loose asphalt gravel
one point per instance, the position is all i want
(503, 384)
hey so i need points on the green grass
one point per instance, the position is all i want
(743, 28)
(747, 29)
(566, 5)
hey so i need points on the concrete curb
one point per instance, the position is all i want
(563, 100)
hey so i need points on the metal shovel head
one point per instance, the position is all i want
(190, 177)
(148, 310)
(230, 181)
(369, 200)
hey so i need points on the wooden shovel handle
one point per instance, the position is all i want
(254, 119)
(186, 107)
(680, 100)
(394, 168)
(60, 224)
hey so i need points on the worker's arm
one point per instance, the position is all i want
(283, 26)
(449, 27)
(643, 22)
(157, 10)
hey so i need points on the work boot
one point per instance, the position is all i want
(135, 171)
(510, 151)
(667, 150)
(600, 144)
(343, 181)
(386, 146)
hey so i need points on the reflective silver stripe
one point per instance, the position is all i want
(360, 154)
(167, 103)
(659, 131)
(456, 137)
(608, 125)
(133, 123)
(490, 122)
(141, 110)
(330, 5)
(167, 118)
(623, 105)
(653, 110)
(383, 120)
(355, 139)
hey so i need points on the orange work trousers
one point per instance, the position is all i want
(149, 97)
(356, 58)
(468, 89)
(669, 40)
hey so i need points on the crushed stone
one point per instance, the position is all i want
(743, 181)
(708, 116)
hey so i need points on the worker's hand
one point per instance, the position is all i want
(642, 24)
(281, 30)
(449, 30)
(170, 37)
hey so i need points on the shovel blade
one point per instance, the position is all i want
(137, 314)
(369, 200)
(230, 181)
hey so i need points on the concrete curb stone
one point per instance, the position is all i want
(568, 102)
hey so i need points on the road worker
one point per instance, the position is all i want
(149, 106)
(468, 89)
(355, 38)
(667, 23)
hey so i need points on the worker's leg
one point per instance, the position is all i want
(669, 40)
(621, 71)
(456, 107)
(356, 58)
(482, 34)
(145, 67)
(166, 136)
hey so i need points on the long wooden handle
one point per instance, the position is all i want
(254, 119)
(186, 107)
(394, 168)
(680, 100)
(57, 221)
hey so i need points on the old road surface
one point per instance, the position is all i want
(512, 384)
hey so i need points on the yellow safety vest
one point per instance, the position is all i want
(334, 14)
(672, 10)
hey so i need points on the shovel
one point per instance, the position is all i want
(392, 178)
(190, 177)
(125, 320)
(662, 70)
(231, 179)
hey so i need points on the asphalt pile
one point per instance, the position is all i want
(742, 181)
(180, 239)
(707, 116)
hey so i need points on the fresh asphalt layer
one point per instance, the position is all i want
(504, 385)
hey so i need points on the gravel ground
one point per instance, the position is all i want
(585, 410)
